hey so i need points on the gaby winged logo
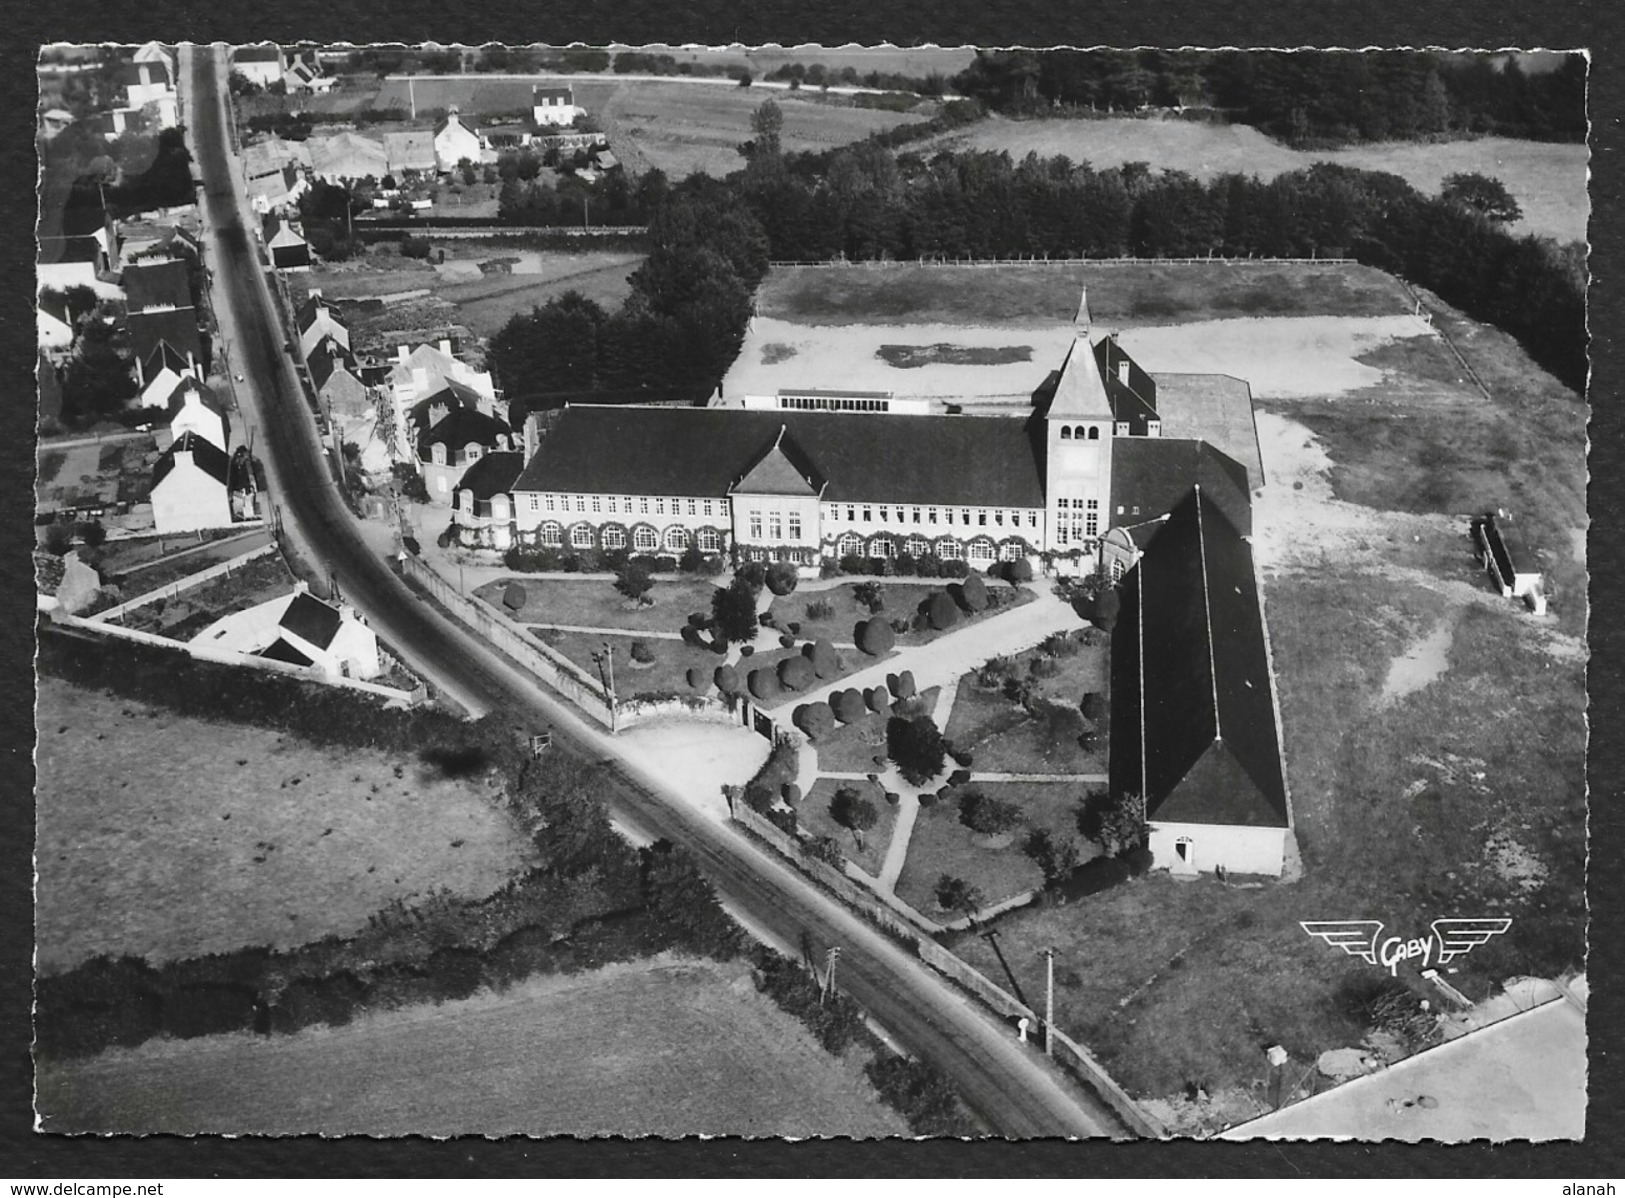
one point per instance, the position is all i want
(1361, 938)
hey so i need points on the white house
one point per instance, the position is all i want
(316, 322)
(483, 507)
(156, 52)
(453, 141)
(1194, 725)
(194, 408)
(191, 486)
(553, 106)
(148, 86)
(276, 189)
(453, 429)
(285, 244)
(164, 370)
(420, 371)
(261, 64)
(302, 73)
(54, 322)
(302, 630)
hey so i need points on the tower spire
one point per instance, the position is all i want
(1082, 319)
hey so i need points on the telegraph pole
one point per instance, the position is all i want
(1049, 1005)
(830, 958)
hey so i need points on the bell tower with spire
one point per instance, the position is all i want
(1078, 452)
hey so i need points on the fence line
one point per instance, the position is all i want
(552, 667)
(191, 581)
(945, 962)
(231, 657)
(1062, 260)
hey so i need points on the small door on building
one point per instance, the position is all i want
(1185, 855)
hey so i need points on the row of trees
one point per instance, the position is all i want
(1306, 97)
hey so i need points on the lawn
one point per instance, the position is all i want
(814, 820)
(190, 612)
(902, 599)
(1548, 179)
(674, 1047)
(997, 867)
(665, 676)
(851, 748)
(488, 304)
(1007, 739)
(166, 837)
(595, 603)
(910, 294)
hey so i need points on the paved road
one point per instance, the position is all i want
(1010, 1087)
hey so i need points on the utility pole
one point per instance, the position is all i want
(1049, 1005)
(830, 958)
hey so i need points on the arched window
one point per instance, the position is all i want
(917, 547)
(850, 545)
(948, 549)
(708, 540)
(613, 536)
(644, 539)
(880, 547)
(1094, 433)
(677, 539)
(980, 551)
(1066, 432)
(581, 536)
(551, 533)
(1010, 550)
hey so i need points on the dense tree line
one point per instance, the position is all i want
(1311, 97)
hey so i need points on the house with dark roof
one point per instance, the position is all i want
(175, 327)
(452, 429)
(1194, 727)
(54, 319)
(285, 244)
(154, 285)
(553, 106)
(277, 189)
(191, 486)
(195, 409)
(161, 372)
(73, 260)
(482, 506)
(301, 630)
(261, 64)
(316, 319)
(336, 377)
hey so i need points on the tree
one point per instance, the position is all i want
(854, 811)
(985, 816)
(1116, 823)
(875, 637)
(821, 653)
(956, 894)
(733, 611)
(871, 594)
(973, 593)
(1055, 860)
(634, 581)
(916, 747)
(796, 673)
(684, 905)
(815, 719)
(1483, 195)
(848, 705)
(941, 611)
(513, 597)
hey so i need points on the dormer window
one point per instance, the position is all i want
(437, 453)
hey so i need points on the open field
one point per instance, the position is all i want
(687, 128)
(814, 820)
(668, 1047)
(918, 61)
(996, 866)
(1047, 295)
(165, 837)
(487, 304)
(1548, 179)
(595, 603)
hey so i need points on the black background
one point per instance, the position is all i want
(26, 1155)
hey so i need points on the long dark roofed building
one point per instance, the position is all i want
(1193, 727)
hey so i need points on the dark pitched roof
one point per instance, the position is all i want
(131, 73)
(157, 285)
(781, 469)
(205, 396)
(463, 426)
(55, 303)
(206, 456)
(1150, 475)
(1134, 399)
(494, 474)
(975, 461)
(327, 357)
(176, 326)
(280, 650)
(1193, 722)
(163, 354)
(311, 620)
(260, 53)
(551, 93)
(445, 122)
(311, 310)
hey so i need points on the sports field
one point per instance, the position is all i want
(1547, 178)
(166, 837)
(669, 1047)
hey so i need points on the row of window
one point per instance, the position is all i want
(772, 525)
(854, 513)
(1076, 433)
(643, 538)
(829, 403)
(626, 505)
(982, 549)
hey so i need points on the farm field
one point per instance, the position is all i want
(672, 1047)
(918, 61)
(1433, 733)
(165, 837)
(1548, 179)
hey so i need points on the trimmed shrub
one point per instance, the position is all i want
(848, 706)
(902, 685)
(1094, 707)
(876, 699)
(787, 641)
(928, 798)
(1107, 605)
(963, 758)
(821, 653)
(641, 653)
(972, 593)
(513, 596)
(796, 673)
(1018, 571)
(959, 778)
(746, 650)
(916, 747)
(764, 683)
(875, 637)
(941, 611)
(781, 578)
(791, 793)
(815, 719)
(697, 678)
(986, 816)
(793, 628)
(727, 680)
